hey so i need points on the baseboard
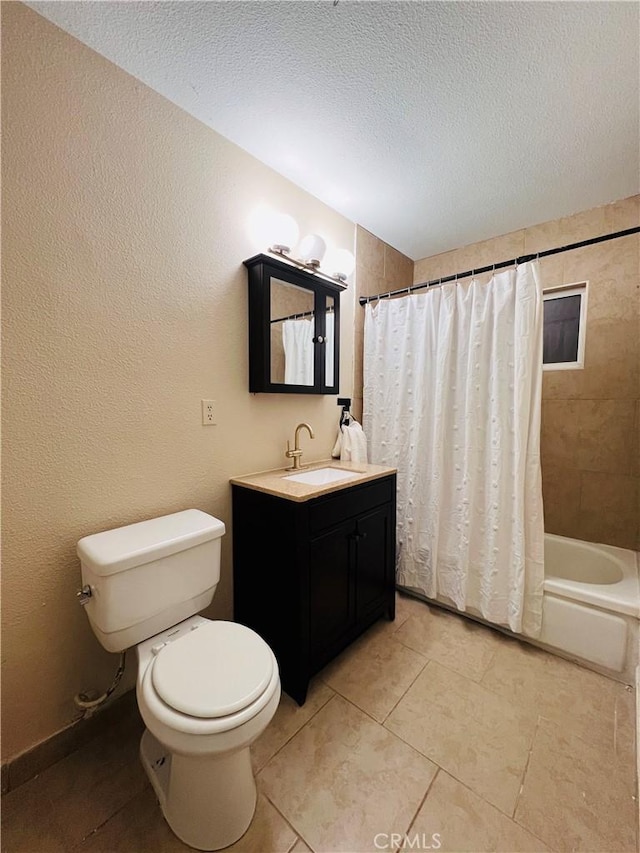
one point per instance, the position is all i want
(28, 764)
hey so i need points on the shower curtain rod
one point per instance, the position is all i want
(328, 310)
(522, 259)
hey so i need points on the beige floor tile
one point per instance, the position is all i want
(288, 719)
(472, 733)
(463, 821)
(30, 822)
(578, 795)
(592, 705)
(88, 786)
(140, 827)
(374, 673)
(301, 847)
(456, 642)
(343, 778)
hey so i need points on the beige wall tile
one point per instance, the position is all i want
(436, 266)
(560, 435)
(612, 359)
(609, 509)
(582, 226)
(426, 269)
(368, 282)
(561, 500)
(398, 268)
(607, 436)
(612, 365)
(370, 251)
(498, 249)
(589, 435)
(546, 235)
(617, 259)
(552, 270)
(622, 214)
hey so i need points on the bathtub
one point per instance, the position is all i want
(591, 604)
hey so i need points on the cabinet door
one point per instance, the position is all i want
(374, 561)
(331, 590)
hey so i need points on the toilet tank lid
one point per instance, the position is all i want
(124, 548)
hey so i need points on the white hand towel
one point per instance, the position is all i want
(354, 443)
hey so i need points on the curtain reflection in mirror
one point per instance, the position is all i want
(297, 340)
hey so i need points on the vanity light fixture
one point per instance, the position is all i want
(280, 232)
(277, 230)
(311, 250)
(342, 264)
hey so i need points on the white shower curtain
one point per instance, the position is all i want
(452, 392)
(297, 340)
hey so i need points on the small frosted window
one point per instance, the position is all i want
(564, 327)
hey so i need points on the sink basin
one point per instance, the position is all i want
(321, 476)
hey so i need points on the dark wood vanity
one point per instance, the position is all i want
(311, 573)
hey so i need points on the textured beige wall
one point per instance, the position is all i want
(590, 418)
(379, 268)
(125, 303)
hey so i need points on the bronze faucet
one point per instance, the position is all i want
(296, 453)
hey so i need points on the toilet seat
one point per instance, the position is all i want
(214, 671)
(261, 684)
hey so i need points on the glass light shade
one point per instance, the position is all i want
(340, 263)
(285, 231)
(312, 249)
(270, 229)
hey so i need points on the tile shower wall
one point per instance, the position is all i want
(590, 418)
(379, 268)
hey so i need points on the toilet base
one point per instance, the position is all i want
(209, 801)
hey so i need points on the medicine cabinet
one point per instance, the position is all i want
(294, 329)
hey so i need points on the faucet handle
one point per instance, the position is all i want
(291, 454)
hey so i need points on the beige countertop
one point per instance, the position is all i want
(275, 482)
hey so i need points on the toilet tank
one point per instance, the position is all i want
(147, 577)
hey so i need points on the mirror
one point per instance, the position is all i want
(294, 329)
(329, 322)
(292, 333)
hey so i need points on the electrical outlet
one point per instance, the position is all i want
(209, 413)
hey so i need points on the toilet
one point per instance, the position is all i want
(206, 689)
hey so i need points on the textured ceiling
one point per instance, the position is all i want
(432, 124)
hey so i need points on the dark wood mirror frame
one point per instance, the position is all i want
(266, 363)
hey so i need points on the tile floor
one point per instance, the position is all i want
(431, 732)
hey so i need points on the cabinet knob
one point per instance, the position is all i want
(357, 536)
(319, 339)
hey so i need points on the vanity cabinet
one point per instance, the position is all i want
(310, 576)
(294, 329)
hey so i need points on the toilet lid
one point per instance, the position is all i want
(215, 670)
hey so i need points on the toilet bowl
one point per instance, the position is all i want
(224, 679)
(206, 689)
